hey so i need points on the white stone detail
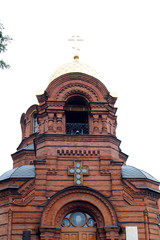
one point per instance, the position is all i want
(131, 233)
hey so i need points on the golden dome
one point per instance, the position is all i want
(74, 66)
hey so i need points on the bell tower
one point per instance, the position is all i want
(69, 179)
(78, 107)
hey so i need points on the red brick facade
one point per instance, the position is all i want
(39, 204)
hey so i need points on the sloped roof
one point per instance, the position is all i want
(133, 172)
(25, 171)
(27, 147)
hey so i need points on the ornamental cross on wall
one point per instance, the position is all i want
(78, 171)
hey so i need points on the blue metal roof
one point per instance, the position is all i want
(133, 172)
(25, 171)
(27, 147)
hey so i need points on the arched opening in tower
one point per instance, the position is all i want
(77, 116)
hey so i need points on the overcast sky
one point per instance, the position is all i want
(121, 42)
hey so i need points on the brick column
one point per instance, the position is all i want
(104, 124)
(59, 122)
(101, 234)
(95, 124)
(50, 121)
(146, 224)
(48, 233)
(9, 224)
(112, 232)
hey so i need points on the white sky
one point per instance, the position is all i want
(122, 43)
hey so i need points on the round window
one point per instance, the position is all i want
(65, 222)
(78, 219)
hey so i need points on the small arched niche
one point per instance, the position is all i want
(77, 116)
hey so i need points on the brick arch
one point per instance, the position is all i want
(80, 206)
(31, 110)
(79, 95)
(83, 198)
(76, 88)
(72, 81)
(74, 92)
(27, 121)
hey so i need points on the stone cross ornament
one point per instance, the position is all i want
(78, 171)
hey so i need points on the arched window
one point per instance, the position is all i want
(77, 116)
(78, 219)
(35, 123)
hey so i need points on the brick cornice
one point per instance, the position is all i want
(77, 138)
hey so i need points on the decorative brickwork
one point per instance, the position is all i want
(75, 171)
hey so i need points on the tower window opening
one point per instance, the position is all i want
(35, 123)
(77, 118)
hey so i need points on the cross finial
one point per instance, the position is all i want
(76, 39)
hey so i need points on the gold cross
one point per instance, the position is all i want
(75, 39)
(78, 170)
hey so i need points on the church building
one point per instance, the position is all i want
(70, 179)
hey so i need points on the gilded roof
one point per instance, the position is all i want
(75, 66)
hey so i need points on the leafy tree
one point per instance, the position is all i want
(4, 40)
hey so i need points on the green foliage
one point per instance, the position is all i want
(4, 40)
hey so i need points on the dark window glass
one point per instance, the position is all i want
(26, 235)
(35, 123)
